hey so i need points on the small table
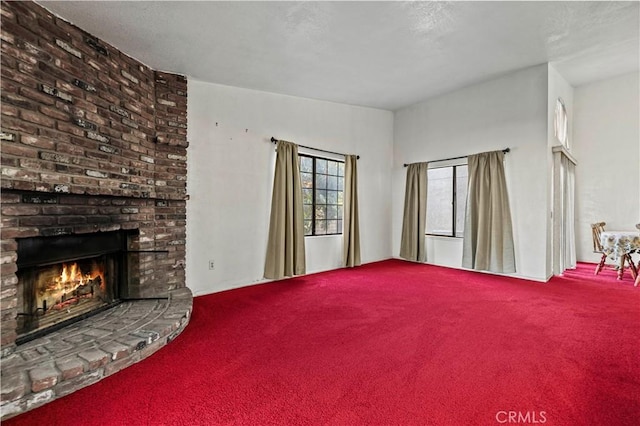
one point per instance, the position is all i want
(619, 245)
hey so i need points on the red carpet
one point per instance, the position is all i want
(389, 343)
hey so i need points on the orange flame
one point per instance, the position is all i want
(62, 284)
(72, 274)
(71, 277)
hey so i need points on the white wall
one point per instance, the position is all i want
(509, 111)
(231, 166)
(230, 175)
(607, 148)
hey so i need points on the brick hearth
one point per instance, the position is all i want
(90, 350)
(92, 141)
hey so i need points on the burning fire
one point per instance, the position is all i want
(71, 274)
(60, 289)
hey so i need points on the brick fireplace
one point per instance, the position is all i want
(66, 278)
(93, 143)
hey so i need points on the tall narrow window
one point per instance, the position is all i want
(322, 195)
(446, 200)
(560, 123)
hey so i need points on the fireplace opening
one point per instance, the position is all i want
(64, 279)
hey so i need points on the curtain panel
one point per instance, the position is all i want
(564, 238)
(351, 237)
(412, 244)
(285, 247)
(568, 241)
(488, 233)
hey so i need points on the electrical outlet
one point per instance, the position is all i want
(212, 265)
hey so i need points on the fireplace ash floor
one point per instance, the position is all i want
(83, 353)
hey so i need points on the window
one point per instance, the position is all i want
(322, 194)
(560, 125)
(446, 200)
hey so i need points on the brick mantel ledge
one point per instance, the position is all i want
(83, 353)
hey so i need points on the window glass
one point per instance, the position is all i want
(321, 181)
(446, 200)
(332, 212)
(440, 201)
(332, 197)
(307, 197)
(306, 164)
(322, 194)
(332, 168)
(321, 165)
(560, 123)
(306, 179)
(332, 182)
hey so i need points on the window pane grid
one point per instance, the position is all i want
(446, 200)
(322, 195)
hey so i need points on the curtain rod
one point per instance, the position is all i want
(457, 158)
(274, 140)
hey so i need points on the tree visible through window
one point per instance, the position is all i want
(446, 200)
(322, 194)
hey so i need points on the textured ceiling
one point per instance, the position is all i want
(377, 54)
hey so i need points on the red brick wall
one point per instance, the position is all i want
(92, 140)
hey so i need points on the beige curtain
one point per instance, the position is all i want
(564, 237)
(285, 248)
(412, 245)
(488, 235)
(351, 253)
(568, 241)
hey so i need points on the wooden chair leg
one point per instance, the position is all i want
(601, 264)
(621, 269)
(632, 266)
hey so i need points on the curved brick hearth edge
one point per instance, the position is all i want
(69, 359)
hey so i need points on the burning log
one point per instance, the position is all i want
(60, 287)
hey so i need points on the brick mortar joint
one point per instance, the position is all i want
(109, 196)
(171, 86)
(180, 302)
